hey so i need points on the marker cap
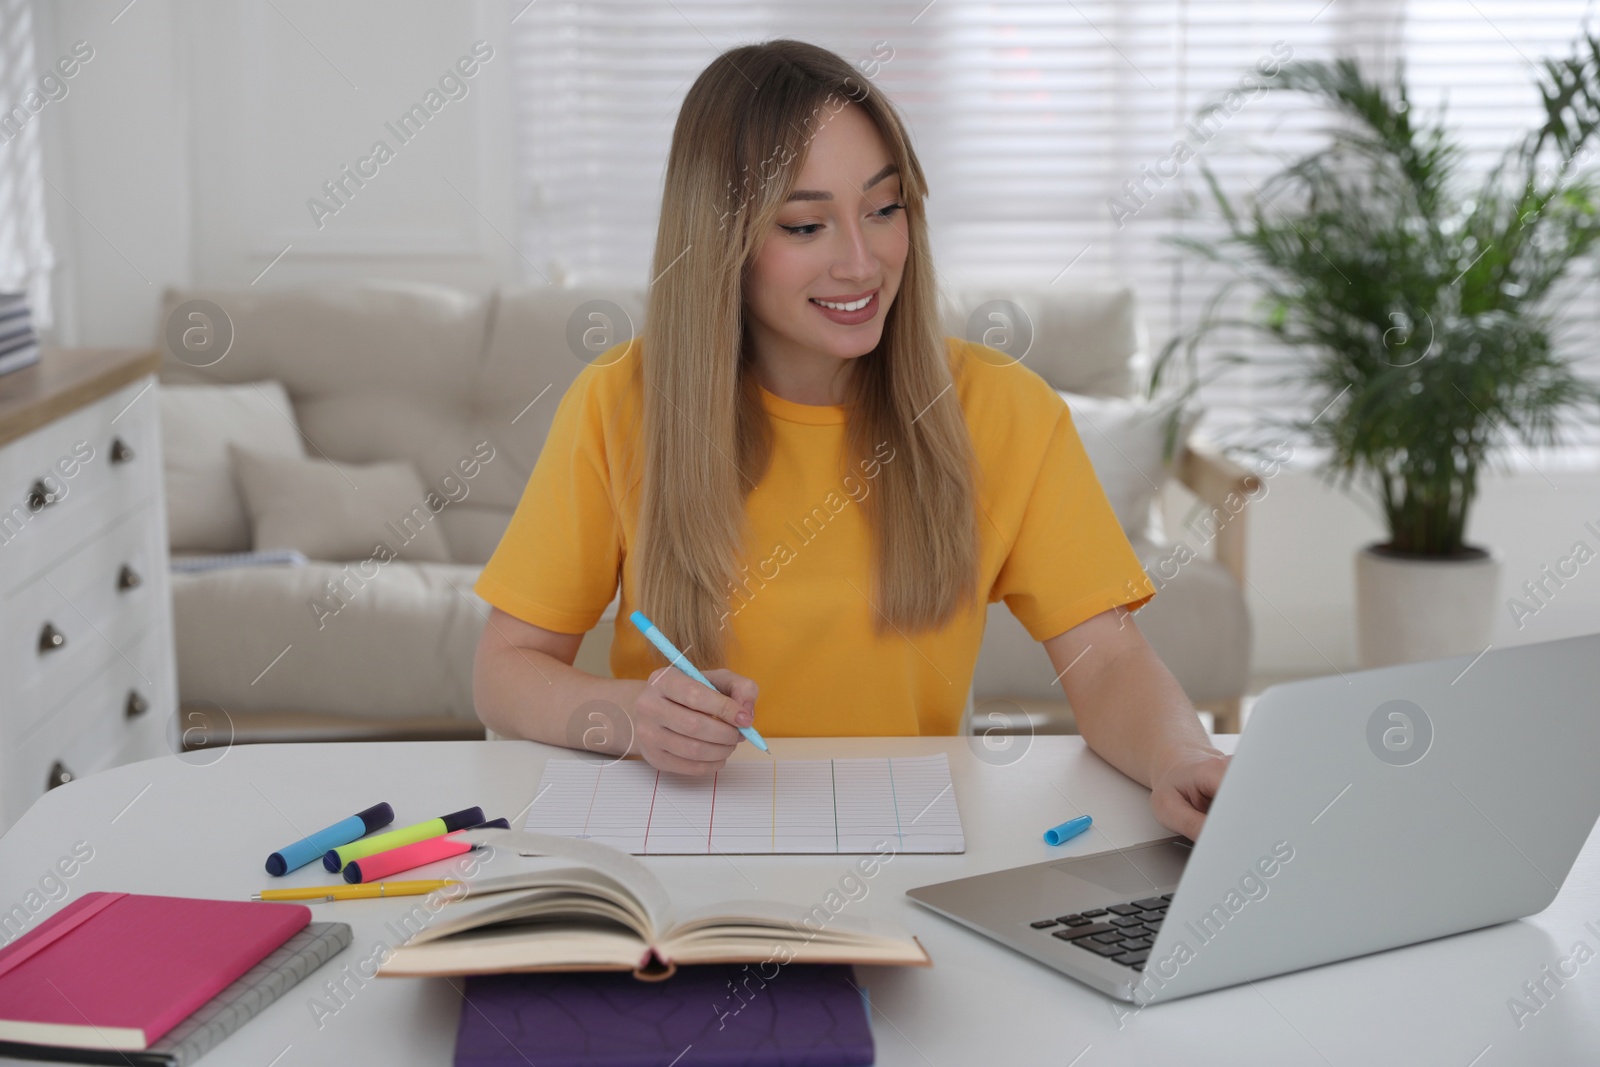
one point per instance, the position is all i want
(376, 816)
(460, 820)
(1067, 830)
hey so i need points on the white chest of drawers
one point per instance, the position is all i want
(87, 679)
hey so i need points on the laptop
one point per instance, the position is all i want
(1360, 812)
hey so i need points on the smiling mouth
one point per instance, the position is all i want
(863, 302)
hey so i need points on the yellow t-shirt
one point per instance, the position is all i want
(803, 629)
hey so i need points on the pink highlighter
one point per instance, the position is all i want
(383, 864)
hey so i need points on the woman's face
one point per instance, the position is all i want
(841, 236)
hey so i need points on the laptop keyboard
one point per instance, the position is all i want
(1122, 933)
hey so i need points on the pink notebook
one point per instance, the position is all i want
(118, 970)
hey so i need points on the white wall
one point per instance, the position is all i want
(189, 145)
(187, 148)
(1303, 535)
(116, 158)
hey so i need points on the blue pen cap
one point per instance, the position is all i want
(1067, 830)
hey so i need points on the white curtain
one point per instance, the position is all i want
(26, 258)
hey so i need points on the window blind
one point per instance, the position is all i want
(25, 255)
(1049, 130)
(1478, 61)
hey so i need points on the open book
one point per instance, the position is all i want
(611, 913)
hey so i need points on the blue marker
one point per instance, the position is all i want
(342, 832)
(1067, 830)
(657, 638)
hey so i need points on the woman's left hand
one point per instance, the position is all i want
(1181, 794)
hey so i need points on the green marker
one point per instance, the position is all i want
(335, 859)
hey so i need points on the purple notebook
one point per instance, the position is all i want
(804, 1015)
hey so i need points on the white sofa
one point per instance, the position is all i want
(400, 371)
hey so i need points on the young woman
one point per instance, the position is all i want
(804, 485)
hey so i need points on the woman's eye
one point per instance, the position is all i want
(809, 228)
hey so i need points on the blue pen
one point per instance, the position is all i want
(657, 638)
(1067, 830)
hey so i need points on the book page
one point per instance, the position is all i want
(843, 806)
(624, 871)
(497, 950)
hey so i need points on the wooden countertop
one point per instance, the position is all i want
(64, 380)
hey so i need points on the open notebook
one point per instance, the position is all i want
(843, 806)
(612, 913)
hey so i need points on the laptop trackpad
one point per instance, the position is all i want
(1126, 875)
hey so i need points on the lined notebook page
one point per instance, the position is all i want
(754, 806)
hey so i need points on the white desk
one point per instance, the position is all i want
(167, 826)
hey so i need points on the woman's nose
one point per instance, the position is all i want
(855, 258)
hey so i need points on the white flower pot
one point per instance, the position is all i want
(1410, 609)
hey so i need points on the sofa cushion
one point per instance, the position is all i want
(364, 339)
(1088, 339)
(339, 511)
(205, 512)
(376, 370)
(1197, 623)
(531, 362)
(1126, 441)
(398, 643)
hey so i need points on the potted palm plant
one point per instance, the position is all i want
(1412, 311)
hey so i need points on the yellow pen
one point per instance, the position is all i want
(355, 892)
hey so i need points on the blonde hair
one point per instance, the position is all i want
(706, 436)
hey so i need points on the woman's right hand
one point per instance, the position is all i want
(685, 728)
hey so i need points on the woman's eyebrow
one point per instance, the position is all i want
(819, 194)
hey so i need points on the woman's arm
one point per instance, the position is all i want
(524, 685)
(1132, 712)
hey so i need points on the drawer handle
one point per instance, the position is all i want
(50, 638)
(59, 775)
(40, 496)
(127, 579)
(136, 706)
(120, 452)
